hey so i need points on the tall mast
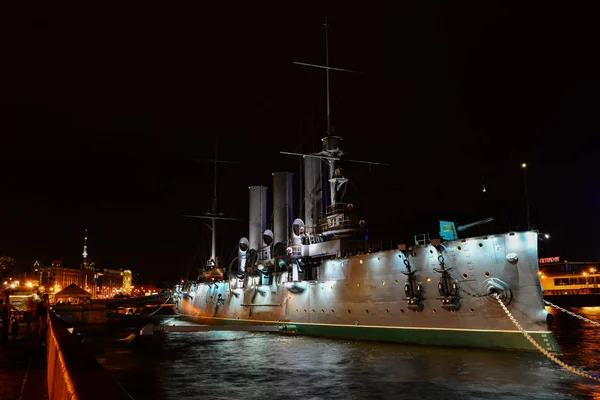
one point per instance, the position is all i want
(212, 214)
(327, 72)
(213, 252)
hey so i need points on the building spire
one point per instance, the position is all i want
(84, 255)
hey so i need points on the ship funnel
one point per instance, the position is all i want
(242, 249)
(472, 224)
(258, 217)
(313, 192)
(283, 203)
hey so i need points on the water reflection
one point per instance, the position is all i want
(229, 365)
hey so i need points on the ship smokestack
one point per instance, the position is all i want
(313, 192)
(258, 217)
(283, 203)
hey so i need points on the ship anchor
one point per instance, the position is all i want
(447, 287)
(413, 290)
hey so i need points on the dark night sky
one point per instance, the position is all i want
(106, 112)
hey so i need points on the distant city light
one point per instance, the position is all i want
(547, 236)
(524, 165)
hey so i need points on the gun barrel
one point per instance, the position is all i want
(472, 224)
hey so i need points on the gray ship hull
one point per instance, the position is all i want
(363, 297)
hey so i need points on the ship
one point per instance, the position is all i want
(315, 274)
(571, 284)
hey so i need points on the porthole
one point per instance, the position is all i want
(387, 311)
(472, 310)
(480, 245)
(401, 310)
(465, 276)
(349, 311)
(458, 248)
(305, 310)
(332, 311)
(382, 283)
(313, 310)
(367, 311)
(452, 310)
(430, 251)
(400, 256)
(487, 273)
(396, 281)
(434, 310)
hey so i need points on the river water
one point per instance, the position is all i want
(253, 365)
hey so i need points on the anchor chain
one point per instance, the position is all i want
(572, 313)
(540, 348)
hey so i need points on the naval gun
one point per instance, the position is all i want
(472, 224)
(449, 232)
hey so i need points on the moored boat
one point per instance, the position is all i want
(571, 284)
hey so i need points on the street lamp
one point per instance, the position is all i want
(524, 167)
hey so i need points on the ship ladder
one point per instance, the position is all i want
(531, 340)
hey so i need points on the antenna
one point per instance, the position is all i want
(326, 68)
(327, 71)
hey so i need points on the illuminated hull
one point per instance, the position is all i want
(362, 297)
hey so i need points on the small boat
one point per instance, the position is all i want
(134, 314)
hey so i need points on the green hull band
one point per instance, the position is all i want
(439, 337)
(505, 340)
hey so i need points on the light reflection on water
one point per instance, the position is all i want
(229, 365)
